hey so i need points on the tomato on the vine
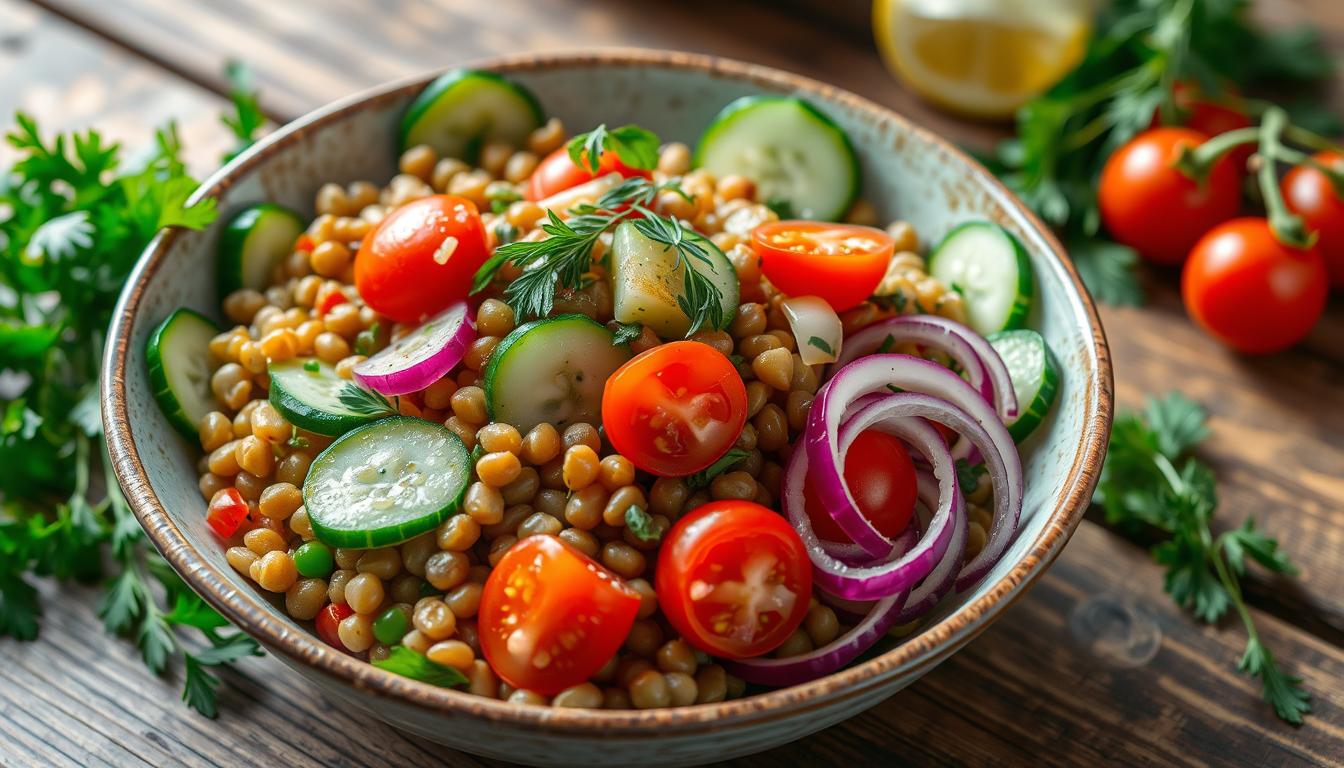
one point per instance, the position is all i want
(1311, 195)
(1254, 293)
(558, 172)
(734, 579)
(421, 258)
(1210, 117)
(841, 263)
(1154, 208)
(674, 409)
(881, 477)
(550, 617)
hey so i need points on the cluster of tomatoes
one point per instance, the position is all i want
(1240, 281)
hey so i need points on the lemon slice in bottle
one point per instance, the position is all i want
(983, 58)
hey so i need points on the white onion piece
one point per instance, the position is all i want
(816, 328)
(886, 579)
(984, 368)
(877, 374)
(422, 356)
(587, 192)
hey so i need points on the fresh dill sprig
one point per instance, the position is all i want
(365, 402)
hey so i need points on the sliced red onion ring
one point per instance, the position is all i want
(878, 374)
(976, 356)
(901, 574)
(853, 554)
(422, 356)
(929, 592)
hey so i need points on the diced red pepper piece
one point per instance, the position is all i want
(226, 512)
(305, 243)
(328, 623)
(330, 300)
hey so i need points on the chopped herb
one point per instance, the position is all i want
(635, 146)
(782, 208)
(295, 439)
(505, 232)
(893, 301)
(968, 475)
(895, 389)
(312, 366)
(367, 339)
(886, 345)
(727, 461)
(407, 663)
(626, 333)
(364, 402)
(820, 343)
(501, 195)
(641, 525)
(476, 453)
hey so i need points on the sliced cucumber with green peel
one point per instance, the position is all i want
(1035, 374)
(457, 113)
(646, 281)
(386, 482)
(552, 370)
(992, 272)
(310, 395)
(254, 241)
(796, 155)
(178, 357)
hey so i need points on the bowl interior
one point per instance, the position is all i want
(906, 173)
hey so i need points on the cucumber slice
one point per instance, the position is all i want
(178, 357)
(386, 482)
(990, 269)
(646, 281)
(552, 370)
(457, 113)
(310, 395)
(254, 241)
(1035, 374)
(796, 154)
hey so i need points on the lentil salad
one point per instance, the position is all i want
(543, 539)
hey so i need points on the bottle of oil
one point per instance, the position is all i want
(982, 58)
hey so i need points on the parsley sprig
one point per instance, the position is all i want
(635, 146)
(1141, 49)
(1150, 482)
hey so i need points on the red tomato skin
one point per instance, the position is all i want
(1210, 118)
(328, 622)
(1309, 194)
(557, 172)
(1250, 291)
(881, 476)
(1149, 205)
(396, 271)
(226, 512)
(575, 593)
(844, 281)
(721, 525)
(633, 392)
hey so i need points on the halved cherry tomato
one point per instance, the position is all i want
(841, 263)
(674, 409)
(881, 477)
(734, 579)
(421, 258)
(1210, 117)
(1149, 205)
(1310, 194)
(550, 617)
(558, 172)
(329, 622)
(226, 512)
(1254, 293)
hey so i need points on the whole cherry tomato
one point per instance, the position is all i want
(1254, 293)
(421, 258)
(881, 477)
(734, 579)
(841, 263)
(1311, 195)
(1209, 116)
(1154, 208)
(558, 172)
(550, 617)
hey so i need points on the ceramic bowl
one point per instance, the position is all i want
(908, 173)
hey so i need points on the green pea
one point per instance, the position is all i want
(313, 559)
(391, 626)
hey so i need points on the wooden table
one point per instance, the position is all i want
(1094, 666)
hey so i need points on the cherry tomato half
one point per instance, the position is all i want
(558, 172)
(1309, 194)
(881, 477)
(329, 623)
(1254, 293)
(841, 263)
(674, 409)
(226, 512)
(421, 258)
(1149, 205)
(550, 617)
(1210, 117)
(734, 579)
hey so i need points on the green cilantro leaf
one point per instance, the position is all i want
(626, 333)
(247, 118)
(968, 474)
(1283, 692)
(407, 663)
(641, 525)
(701, 480)
(820, 343)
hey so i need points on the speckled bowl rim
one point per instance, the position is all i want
(931, 646)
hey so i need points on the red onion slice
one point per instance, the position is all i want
(885, 579)
(984, 368)
(422, 356)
